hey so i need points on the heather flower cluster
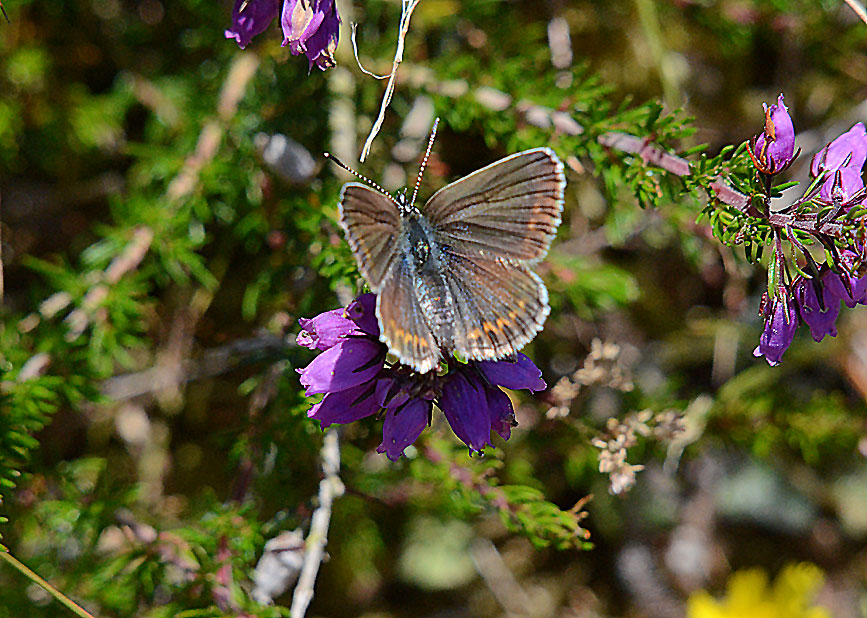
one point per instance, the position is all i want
(814, 296)
(310, 27)
(357, 380)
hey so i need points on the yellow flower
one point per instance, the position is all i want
(749, 596)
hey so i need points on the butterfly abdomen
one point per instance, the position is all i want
(426, 264)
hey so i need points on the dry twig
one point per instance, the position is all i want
(329, 488)
(408, 6)
(858, 8)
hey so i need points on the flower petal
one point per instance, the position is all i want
(362, 311)
(325, 330)
(500, 410)
(779, 331)
(849, 150)
(323, 43)
(850, 181)
(345, 406)
(465, 405)
(402, 427)
(518, 374)
(775, 146)
(821, 322)
(250, 18)
(349, 363)
(300, 20)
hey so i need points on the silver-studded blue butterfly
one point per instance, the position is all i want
(455, 277)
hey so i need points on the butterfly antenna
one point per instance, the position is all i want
(360, 176)
(4, 13)
(430, 142)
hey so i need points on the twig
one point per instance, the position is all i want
(74, 607)
(408, 6)
(499, 578)
(329, 488)
(858, 8)
(354, 28)
(215, 361)
(278, 567)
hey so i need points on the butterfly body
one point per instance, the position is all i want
(455, 277)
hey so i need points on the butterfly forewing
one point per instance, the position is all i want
(509, 210)
(402, 321)
(371, 222)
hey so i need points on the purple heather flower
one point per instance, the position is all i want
(781, 322)
(847, 155)
(774, 149)
(250, 18)
(325, 330)
(402, 426)
(517, 374)
(849, 183)
(352, 361)
(362, 311)
(311, 27)
(356, 382)
(848, 150)
(464, 403)
(835, 285)
(821, 321)
(345, 406)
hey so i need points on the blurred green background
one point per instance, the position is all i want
(153, 410)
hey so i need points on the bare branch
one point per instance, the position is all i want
(353, 26)
(406, 14)
(858, 8)
(329, 488)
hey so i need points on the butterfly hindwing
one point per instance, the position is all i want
(402, 321)
(499, 307)
(372, 225)
(509, 210)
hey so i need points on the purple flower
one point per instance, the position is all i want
(840, 285)
(846, 181)
(517, 374)
(781, 322)
(848, 150)
(402, 426)
(362, 311)
(357, 382)
(325, 330)
(311, 27)
(820, 320)
(250, 18)
(345, 406)
(846, 154)
(352, 361)
(773, 150)
(465, 405)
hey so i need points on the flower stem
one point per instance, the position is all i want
(32, 576)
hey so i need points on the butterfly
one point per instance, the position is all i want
(455, 277)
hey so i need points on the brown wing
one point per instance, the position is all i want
(499, 307)
(402, 322)
(509, 210)
(371, 222)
